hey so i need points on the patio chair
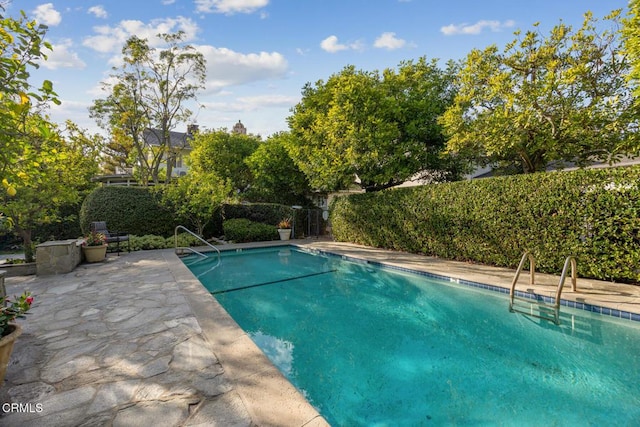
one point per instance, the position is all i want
(112, 236)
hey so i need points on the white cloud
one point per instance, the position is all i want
(265, 101)
(477, 28)
(331, 45)
(389, 41)
(226, 67)
(168, 2)
(98, 12)
(230, 7)
(47, 15)
(63, 57)
(249, 104)
(110, 39)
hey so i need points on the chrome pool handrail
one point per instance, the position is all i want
(182, 227)
(570, 261)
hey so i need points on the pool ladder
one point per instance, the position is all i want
(186, 248)
(547, 311)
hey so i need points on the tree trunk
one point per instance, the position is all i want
(27, 244)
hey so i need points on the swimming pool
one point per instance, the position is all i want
(371, 346)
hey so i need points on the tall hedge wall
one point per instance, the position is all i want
(591, 214)
(136, 210)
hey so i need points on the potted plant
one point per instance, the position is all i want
(284, 229)
(9, 331)
(94, 247)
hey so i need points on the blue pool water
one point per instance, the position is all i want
(376, 347)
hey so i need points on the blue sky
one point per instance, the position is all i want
(260, 53)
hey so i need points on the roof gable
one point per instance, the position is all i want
(177, 139)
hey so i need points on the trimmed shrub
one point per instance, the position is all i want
(136, 210)
(266, 213)
(150, 241)
(243, 230)
(591, 214)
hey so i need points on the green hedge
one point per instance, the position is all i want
(591, 214)
(267, 213)
(243, 230)
(150, 241)
(136, 210)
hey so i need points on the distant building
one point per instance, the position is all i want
(239, 128)
(180, 150)
(180, 147)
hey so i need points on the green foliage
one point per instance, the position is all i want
(65, 165)
(268, 213)
(561, 97)
(12, 309)
(275, 176)
(21, 48)
(591, 214)
(184, 240)
(148, 242)
(631, 38)
(151, 242)
(195, 198)
(381, 127)
(222, 154)
(135, 210)
(243, 230)
(150, 91)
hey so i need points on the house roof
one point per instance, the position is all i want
(178, 139)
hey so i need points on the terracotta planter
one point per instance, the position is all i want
(6, 347)
(94, 253)
(285, 233)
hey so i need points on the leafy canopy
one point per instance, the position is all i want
(275, 177)
(223, 154)
(379, 127)
(631, 38)
(562, 97)
(22, 46)
(151, 90)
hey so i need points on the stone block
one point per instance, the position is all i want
(58, 256)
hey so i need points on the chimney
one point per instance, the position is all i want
(192, 129)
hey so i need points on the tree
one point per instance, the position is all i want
(559, 98)
(39, 168)
(64, 168)
(150, 93)
(631, 38)
(22, 45)
(217, 174)
(223, 154)
(196, 196)
(381, 128)
(275, 177)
